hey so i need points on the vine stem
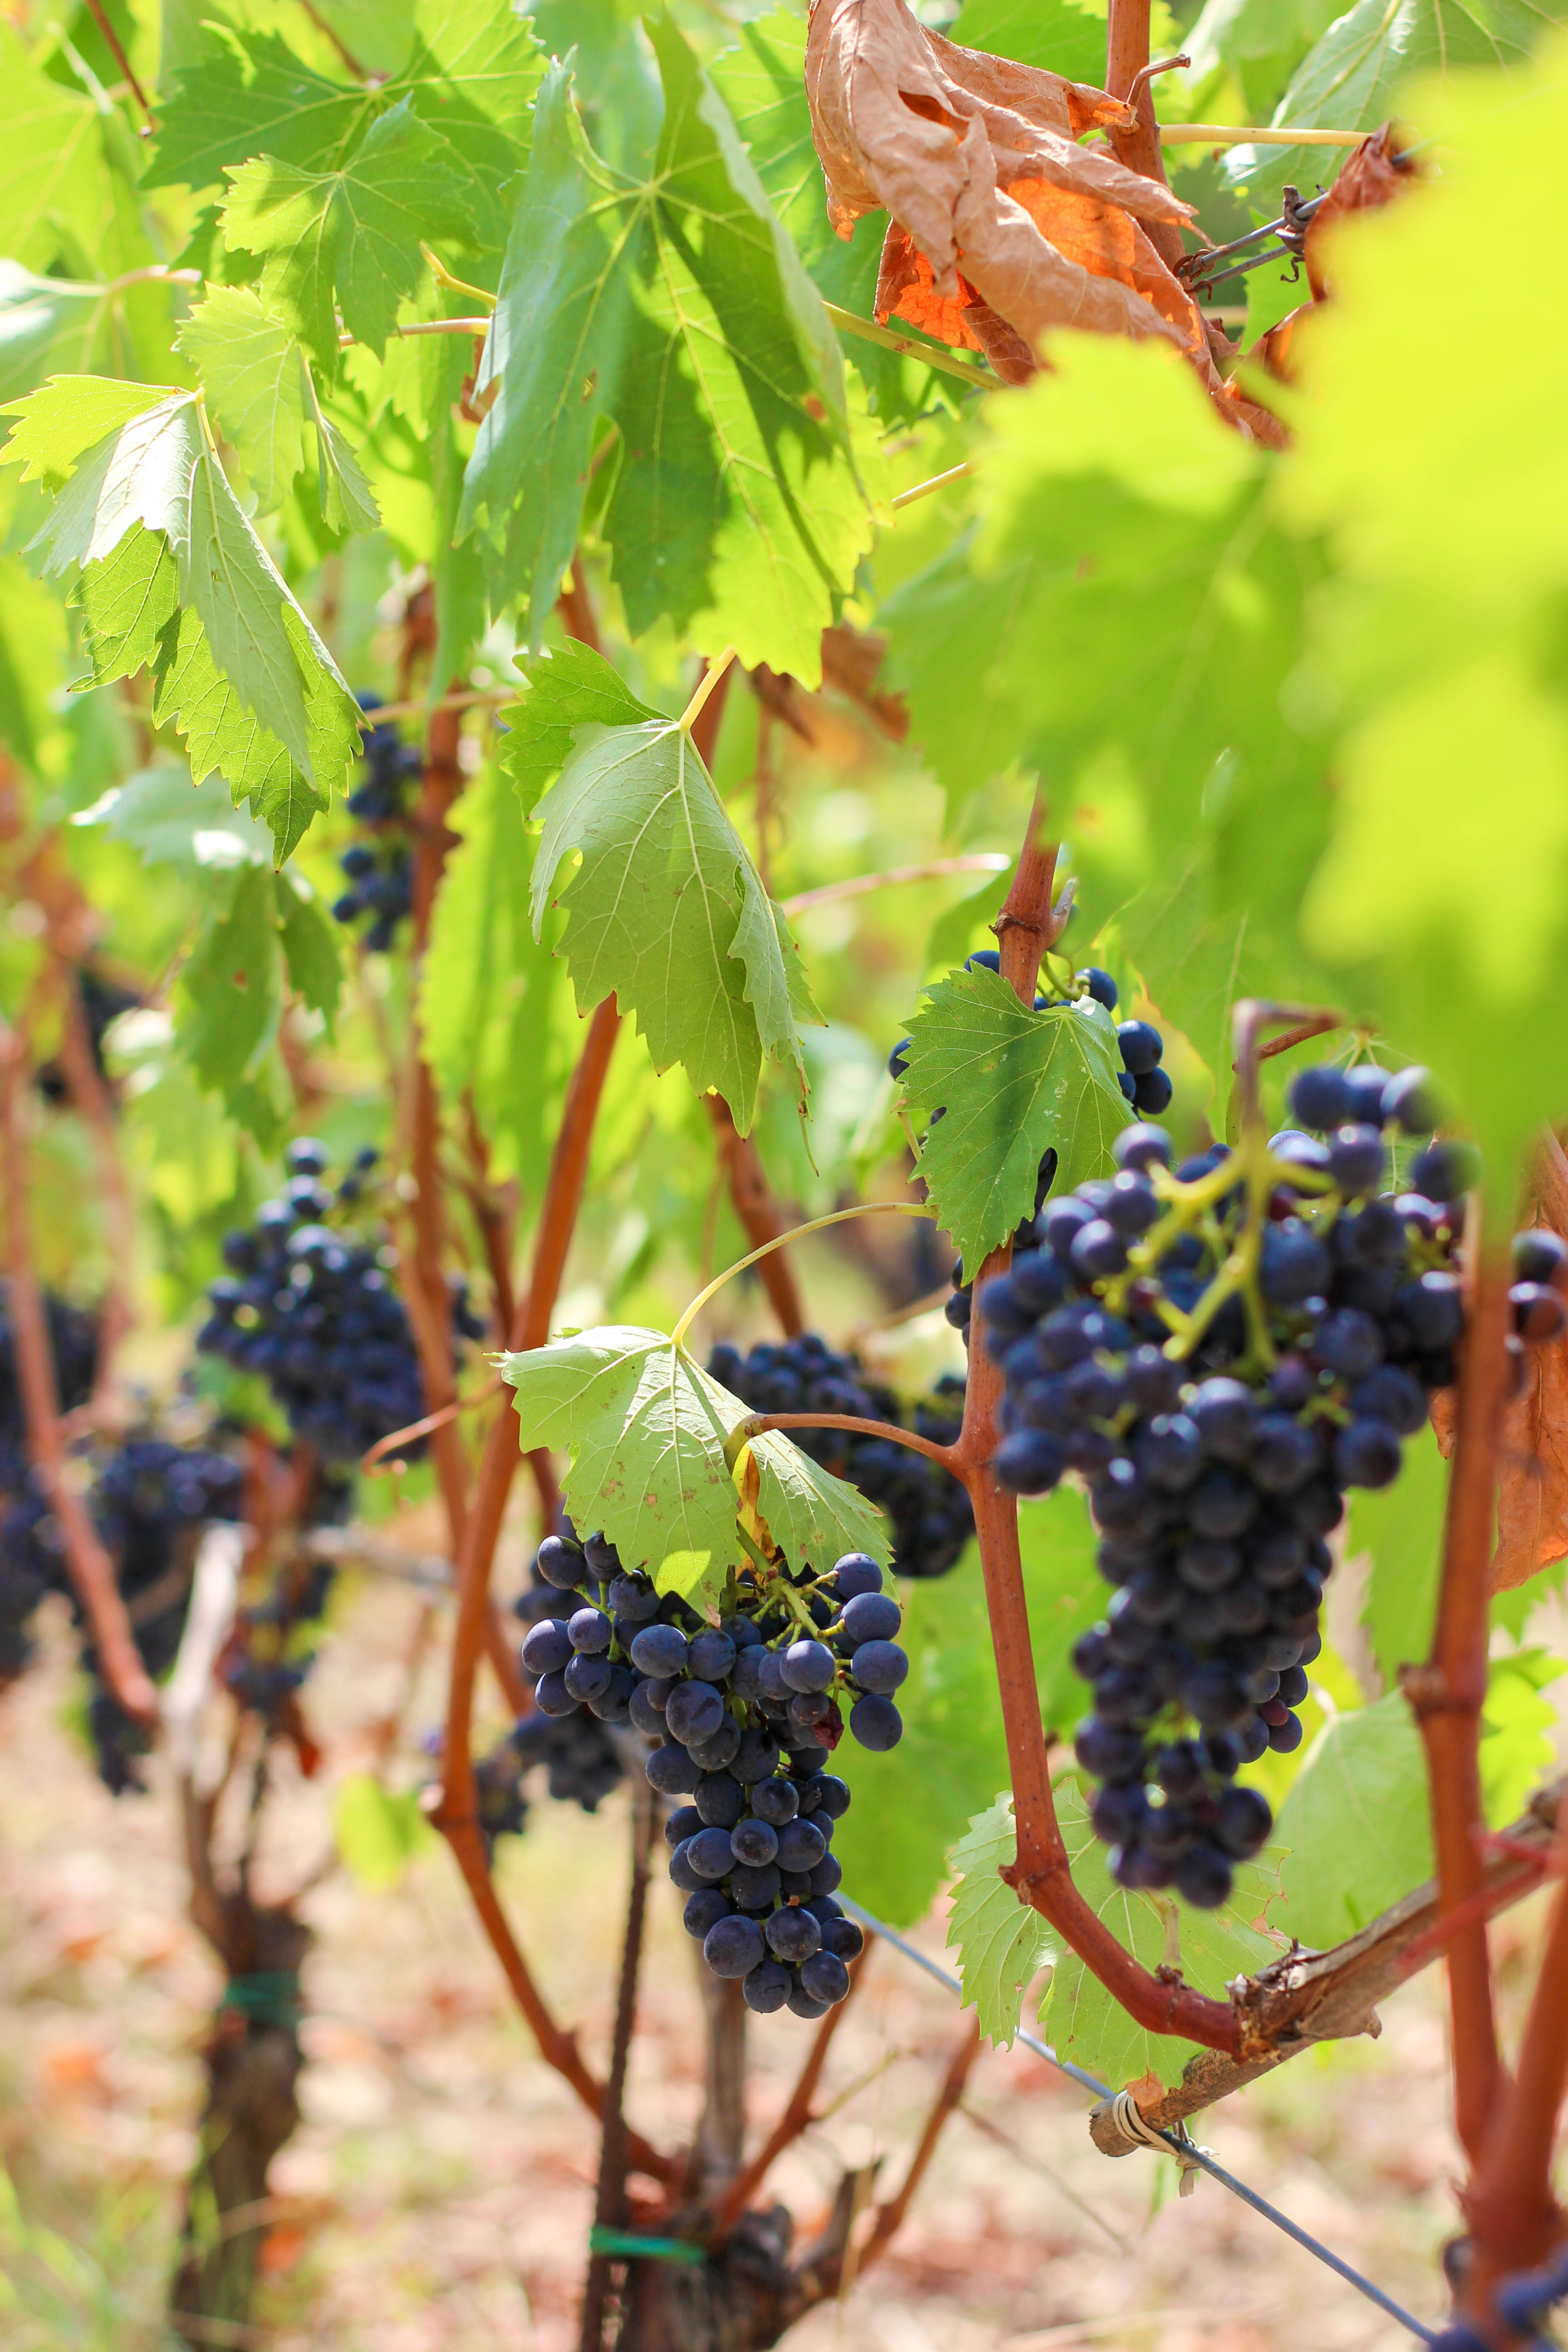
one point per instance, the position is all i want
(934, 870)
(91, 1097)
(609, 2202)
(1515, 2219)
(707, 685)
(752, 1198)
(1027, 927)
(1446, 1696)
(795, 1234)
(91, 1569)
(1126, 77)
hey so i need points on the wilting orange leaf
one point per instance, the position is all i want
(1003, 227)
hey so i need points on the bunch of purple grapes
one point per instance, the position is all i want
(1219, 1353)
(745, 1715)
(308, 1304)
(1524, 2303)
(379, 866)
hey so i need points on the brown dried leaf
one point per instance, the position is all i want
(1532, 1469)
(1003, 228)
(1370, 178)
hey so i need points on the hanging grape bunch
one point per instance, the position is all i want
(577, 1752)
(29, 1569)
(379, 867)
(148, 1500)
(1220, 1352)
(102, 1002)
(1142, 1080)
(745, 1715)
(928, 1509)
(308, 1304)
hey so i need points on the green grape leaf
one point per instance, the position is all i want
(487, 988)
(1125, 619)
(169, 821)
(350, 236)
(1432, 636)
(1517, 1749)
(240, 668)
(472, 79)
(813, 1517)
(1067, 1595)
(666, 907)
(251, 373)
(569, 689)
(1259, 43)
(673, 306)
(645, 1428)
(911, 1803)
(51, 174)
(378, 1833)
(1355, 1825)
(48, 326)
(32, 660)
(1210, 1947)
(1401, 1529)
(347, 501)
(63, 419)
(1014, 1083)
(309, 943)
(248, 94)
(230, 992)
(763, 83)
(1054, 33)
(1002, 1943)
(1353, 78)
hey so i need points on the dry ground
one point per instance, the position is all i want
(438, 2196)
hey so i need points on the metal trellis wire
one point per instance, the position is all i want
(1185, 2151)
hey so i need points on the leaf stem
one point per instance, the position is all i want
(758, 1424)
(443, 276)
(937, 482)
(795, 1234)
(711, 678)
(857, 885)
(849, 323)
(1241, 134)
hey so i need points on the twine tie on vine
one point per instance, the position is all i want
(1124, 2112)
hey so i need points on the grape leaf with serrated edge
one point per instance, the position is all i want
(1351, 79)
(1002, 1943)
(251, 374)
(1014, 1084)
(250, 95)
(647, 1430)
(710, 976)
(348, 237)
(676, 307)
(50, 167)
(813, 1517)
(1211, 1947)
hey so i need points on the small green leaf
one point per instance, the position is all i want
(48, 326)
(1002, 1943)
(1057, 35)
(349, 236)
(230, 989)
(251, 372)
(1210, 1947)
(674, 306)
(645, 1428)
(1516, 1751)
(1402, 1527)
(813, 1517)
(169, 822)
(1353, 78)
(51, 170)
(665, 908)
(310, 945)
(376, 1833)
(249, 95)
(70, 415)
(1355, 1825)
(1067, 1595)
(1013, 1083)
(347, 501)
(487, 988)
